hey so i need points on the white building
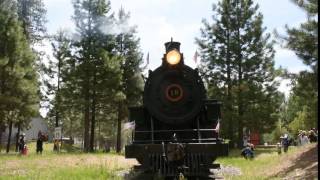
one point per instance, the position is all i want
(31, 133)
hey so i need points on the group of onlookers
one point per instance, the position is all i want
(306, 137)
(23, 149)
(303, 138)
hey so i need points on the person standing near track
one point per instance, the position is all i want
(39, 143)
(285, 142)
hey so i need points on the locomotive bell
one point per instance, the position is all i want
(172, 45)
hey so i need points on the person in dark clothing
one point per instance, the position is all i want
(39, 146)
(21, 144)
(39, 143)
(247, 152)
(285, 142)
(312, 136)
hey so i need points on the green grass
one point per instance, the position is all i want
(63, 165)
(66, 173)
(77, 165)
(265, 162)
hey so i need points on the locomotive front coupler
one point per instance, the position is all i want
(174, 154)
(164, 155)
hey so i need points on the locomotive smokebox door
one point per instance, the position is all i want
(174, 92)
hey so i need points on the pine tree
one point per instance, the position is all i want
(96, 59)
(127, 46)
(304, 42)
(18, 77)
(65, 107)
(58, 71)
(98, 70)
(238, 65)
(219, 57)
(32, 15)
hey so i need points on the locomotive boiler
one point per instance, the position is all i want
(175, 128)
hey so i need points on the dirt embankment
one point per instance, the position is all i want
(304, 165)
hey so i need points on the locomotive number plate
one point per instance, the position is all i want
(174, 92)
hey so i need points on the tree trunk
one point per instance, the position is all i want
(93, 113)
(2, 128)
(118, 149)
(17, 137)
(9, 137)
(0, 138)
(87, 85)
(240, 74)
(86, 121)
(240, 103)
(99, 134)
(58, 94)
(229, 95)
(71, 128)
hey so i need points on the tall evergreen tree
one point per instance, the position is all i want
(304, 39)
(96, 59)
(304, 42)
(58, 70)
(65, 107)
(18, 77)
(127, 46)
(32, 14)
(91, 71)
(238, 65)
(215, 46)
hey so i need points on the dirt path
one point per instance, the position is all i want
(304, 165)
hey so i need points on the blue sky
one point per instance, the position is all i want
(159, 20)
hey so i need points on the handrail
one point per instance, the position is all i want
(168, 140)
(178, 130)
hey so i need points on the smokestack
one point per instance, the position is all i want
(172, 45)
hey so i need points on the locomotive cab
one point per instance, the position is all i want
(175, 127)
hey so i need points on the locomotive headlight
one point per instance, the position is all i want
(173, 57)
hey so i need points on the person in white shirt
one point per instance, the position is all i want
(304, 139)
(245, 141)
(299, 138)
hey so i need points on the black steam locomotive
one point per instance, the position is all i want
(175, 128)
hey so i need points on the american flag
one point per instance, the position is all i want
(195, 57)
(217, 127)
(148, 58)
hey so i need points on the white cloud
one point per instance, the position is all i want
(283, 53)
(288, 59)
(59, 14)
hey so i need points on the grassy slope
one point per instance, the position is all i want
(266, 165)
